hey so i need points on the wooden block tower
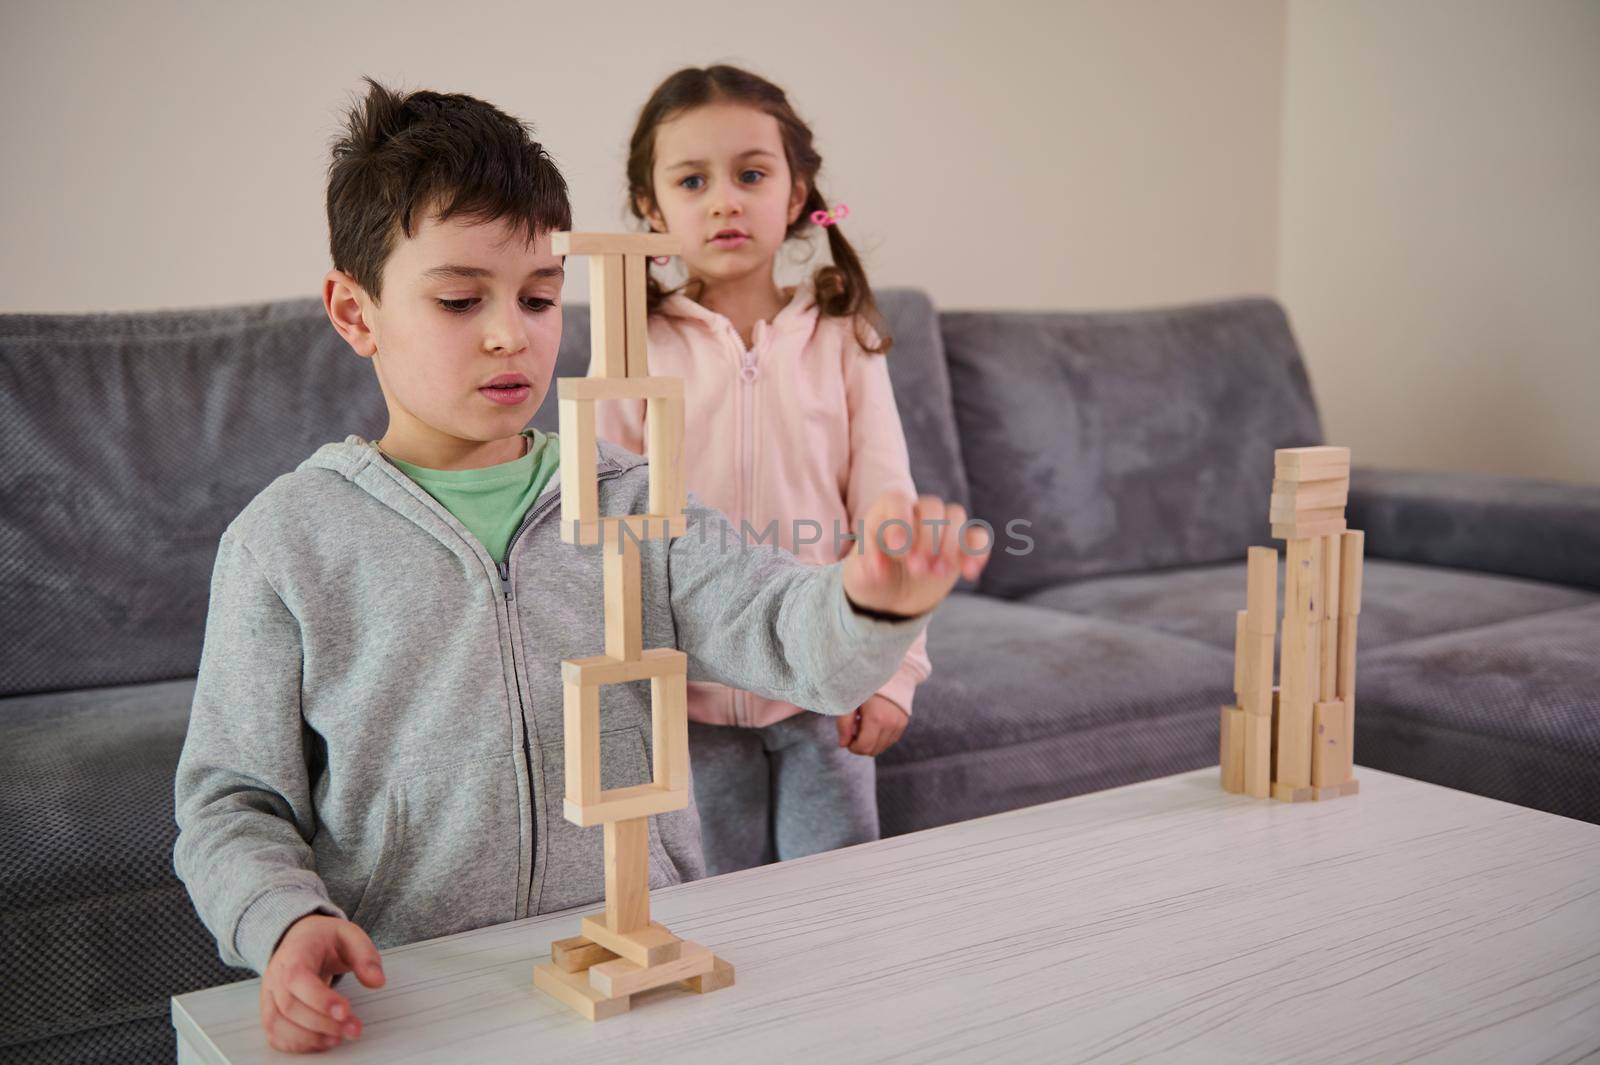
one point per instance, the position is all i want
(621, 951)
(1294, 741)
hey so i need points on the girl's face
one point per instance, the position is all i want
(722, 183)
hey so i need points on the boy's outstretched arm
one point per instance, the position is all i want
(821, 637)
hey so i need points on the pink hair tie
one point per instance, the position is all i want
(831, 218)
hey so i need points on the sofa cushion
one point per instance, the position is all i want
(916, 370)
(1509, 711)
(127, 444)
(1026, 705)
(1130, 441)
(1399, 601)
(86, 880)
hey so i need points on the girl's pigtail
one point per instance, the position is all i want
(842, 288)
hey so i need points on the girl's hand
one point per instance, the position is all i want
(874, 728)
(299, 1011)
(913, 555)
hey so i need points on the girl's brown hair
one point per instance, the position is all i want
(842, 288)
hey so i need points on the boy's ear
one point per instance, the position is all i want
(797, 200)
(346, 302)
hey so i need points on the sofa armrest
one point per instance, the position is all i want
(1544, 530)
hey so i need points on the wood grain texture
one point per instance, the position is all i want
(1164, 922)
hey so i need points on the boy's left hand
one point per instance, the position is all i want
(874, 728)
(899, 571)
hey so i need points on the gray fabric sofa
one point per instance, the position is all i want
(1138, 445)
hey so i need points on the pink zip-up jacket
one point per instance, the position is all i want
(803, 425)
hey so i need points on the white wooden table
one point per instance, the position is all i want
(1162, 922)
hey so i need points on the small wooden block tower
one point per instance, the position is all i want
(621, 951)
(1294, 741)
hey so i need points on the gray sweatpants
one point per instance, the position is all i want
(779, 792)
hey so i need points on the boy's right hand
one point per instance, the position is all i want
(299, 1011)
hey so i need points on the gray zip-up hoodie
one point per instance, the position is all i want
(377, 724)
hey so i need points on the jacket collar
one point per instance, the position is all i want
(800, 314)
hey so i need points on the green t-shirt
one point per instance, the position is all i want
(491, 501)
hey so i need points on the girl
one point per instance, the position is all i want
(793, 425)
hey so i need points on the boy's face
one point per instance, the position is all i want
(722, 183)
(464, 340)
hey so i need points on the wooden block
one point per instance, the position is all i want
(1330, 757)
(576, 954)
(637, 312)
(1298, 678)
(1328, 634)
(1330, 481)
(664, 426)
(1240, 652)
(623, 977)
(1257, 698)
(574, 991)
(624, 527)
(1232, 748)
(1345, 684)
(1331, 585)
(608, 338)
(1345, 689)
(598, 670)
(1261, 589)
(1258, 755)
(1293, 792)
(647, 947)
(620, 804)
(1291, 515)
(720, 976)
(624, 603)
(582, 738)
(669, 731)
(605, 389)
(1311, 463)
(1296, 702)
(1307, 530)
(1314, 453)
(580, 486)
(1302, 586)
(1350, 787)
(615, 244)
(628, 874)
(1352, 546)
(1313, 495)
(1324, 794)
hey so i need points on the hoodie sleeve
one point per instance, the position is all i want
(243, 791)
(879, 463)
(757, 618)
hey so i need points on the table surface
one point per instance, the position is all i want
(1162, 922)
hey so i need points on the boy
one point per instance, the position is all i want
(375, 749)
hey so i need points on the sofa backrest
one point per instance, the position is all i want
(129, 441)
(1130, 441)
(127, 444)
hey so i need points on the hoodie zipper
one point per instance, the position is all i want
(534, 513)
(748, 373)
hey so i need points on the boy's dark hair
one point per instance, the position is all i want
(403, 155)
(842, 289)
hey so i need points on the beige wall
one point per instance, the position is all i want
(1440, 250)
(1438, 161)
(998, 155)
